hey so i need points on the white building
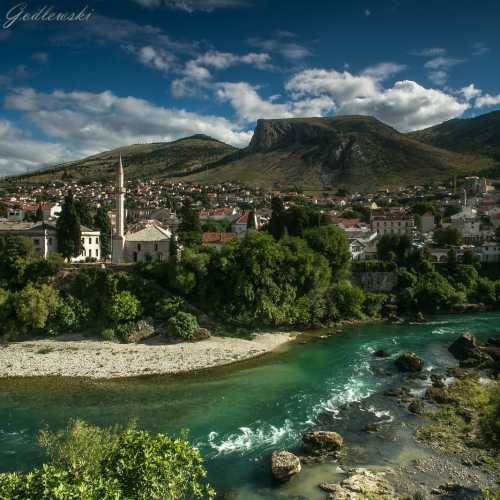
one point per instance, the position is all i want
(43, 237)
(393, 222)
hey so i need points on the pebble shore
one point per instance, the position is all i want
(74, 356)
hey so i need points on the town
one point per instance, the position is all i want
(145, 215)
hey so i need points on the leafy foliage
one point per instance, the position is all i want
(91, 463)
(183, 325)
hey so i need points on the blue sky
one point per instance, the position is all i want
(157, 70)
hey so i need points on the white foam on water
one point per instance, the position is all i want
(258, 436)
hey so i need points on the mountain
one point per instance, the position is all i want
(357, 152)
(479, 135)
(347, 151)
(156, 160)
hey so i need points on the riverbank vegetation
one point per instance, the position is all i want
(297, 273)
(95, 463)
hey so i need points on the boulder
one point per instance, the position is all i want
(416, 407)
(437, 381)
(402, 393)
(439, 396)
(409, 362)
(465, 347)
(361, 485)
(493, 341)
(381, 354)
(137, 331)
(371, 428)
(322, 441)
(201, 334)
(284, 465)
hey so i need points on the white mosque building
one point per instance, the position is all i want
(145, 241)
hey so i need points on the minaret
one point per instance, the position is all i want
(118, 235)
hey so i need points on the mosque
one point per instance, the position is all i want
(145, 241)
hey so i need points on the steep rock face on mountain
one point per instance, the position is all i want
(348, 151)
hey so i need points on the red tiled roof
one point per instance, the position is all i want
(242, 219)
(218, 237)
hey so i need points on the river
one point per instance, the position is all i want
(237, 415)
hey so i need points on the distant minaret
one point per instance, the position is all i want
(118, 235)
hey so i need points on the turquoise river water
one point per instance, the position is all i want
(237, 415)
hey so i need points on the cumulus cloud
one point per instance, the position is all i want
(470, 92)
(249, 106)
(432, 52)
(41, 57)
(438, 68)
(406, 105)
(88, 123)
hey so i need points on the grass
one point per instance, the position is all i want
(45, 350)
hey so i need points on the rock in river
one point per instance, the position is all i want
(322, 441)
(465, 347)
(284, 465)
(409, 362)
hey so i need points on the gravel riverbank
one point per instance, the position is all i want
(74, 356)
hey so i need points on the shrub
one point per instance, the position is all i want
(346, 301)
(123, 307)
(491, 420)
(107, 334)
(183, 325)
(93, 463)
(168, 307)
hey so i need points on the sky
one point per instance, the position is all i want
(135, 71)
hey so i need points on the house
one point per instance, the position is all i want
(248, 219)
(395, 221)
(217, 240)
(428, 222)
(43, 237)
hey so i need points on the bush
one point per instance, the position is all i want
(169, 307)
(183, 325)
(123, 307)
(346, 301)
(91, 463)
(107, 334)
(491, 421)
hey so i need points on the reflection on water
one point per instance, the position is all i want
(237, 415)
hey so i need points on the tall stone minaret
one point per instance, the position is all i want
(119, 233)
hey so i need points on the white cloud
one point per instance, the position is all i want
(470, 92)
(384, 70)
(249, 106)
(368, 13)
(438, 68)
(432, 52)
(406, 105)
(21, 153)
(88, 123)
(282, 45)
(153, 57)
(487, 100)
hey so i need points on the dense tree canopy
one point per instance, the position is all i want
(68, 229)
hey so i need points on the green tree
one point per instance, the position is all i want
(277, 223)
(433, 292)
(190, 228)
(103, 224)
(84, 212)
(15, 254)
(68, 229)
(87, 462)
(393, 246)
(34, 306)
(39, 214)
(345, 301)
(331, 242)
(450, 235)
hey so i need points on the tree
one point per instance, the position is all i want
(91, 463)
(103, 224)
(34, 306)
(15, 253)
(346, 301)
(393, 246)
(39, 214)
(277, 225)
(190, 228)
(331, 242)
(68, 229)
(449, 235)
(84, 212)
(432, 292)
